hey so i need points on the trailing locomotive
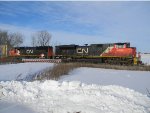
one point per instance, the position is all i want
(111, 53)
(32, 52)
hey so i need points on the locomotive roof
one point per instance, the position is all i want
(34, 47)
(72, 45)
(123, 43)
(112, 43)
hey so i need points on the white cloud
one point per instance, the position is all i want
(110, 21)
(58, 37)
(62, 37)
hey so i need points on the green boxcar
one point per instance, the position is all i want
(3, 51)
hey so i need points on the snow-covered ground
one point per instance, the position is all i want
(137, 80)
(145, 58)
(90, 90)
(21, 70)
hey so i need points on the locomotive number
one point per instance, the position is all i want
(29, 51)
(82, 50)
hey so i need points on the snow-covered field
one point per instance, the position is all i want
(137, 80)
(84, 90)
(21, 71)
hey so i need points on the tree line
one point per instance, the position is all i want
(15, 39)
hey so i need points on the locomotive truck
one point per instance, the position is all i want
(111, 53)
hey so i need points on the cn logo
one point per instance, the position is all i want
(29, 51)
(82, 50)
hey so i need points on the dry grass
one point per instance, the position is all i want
(57, 71)
(64, 68)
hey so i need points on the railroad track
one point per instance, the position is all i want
(15, 60)
(43, 60)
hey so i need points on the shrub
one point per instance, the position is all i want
(64, 68)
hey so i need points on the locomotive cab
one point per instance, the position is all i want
(120, 53)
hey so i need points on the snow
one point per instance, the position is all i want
(145, 58)
(21, 70)
(71, 97)
(137, 80)
(6, 107)
(84, 90)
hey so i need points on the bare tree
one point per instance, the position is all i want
(15, 39)
(41, 38)
(10, 39)
(3, 37)
(33, 41)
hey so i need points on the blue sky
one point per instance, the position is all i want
(80, 22)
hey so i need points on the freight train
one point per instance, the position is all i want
(110, 53)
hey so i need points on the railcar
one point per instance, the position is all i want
(3, 51)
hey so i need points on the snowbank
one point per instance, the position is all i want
(71, 97)
(21, 70)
